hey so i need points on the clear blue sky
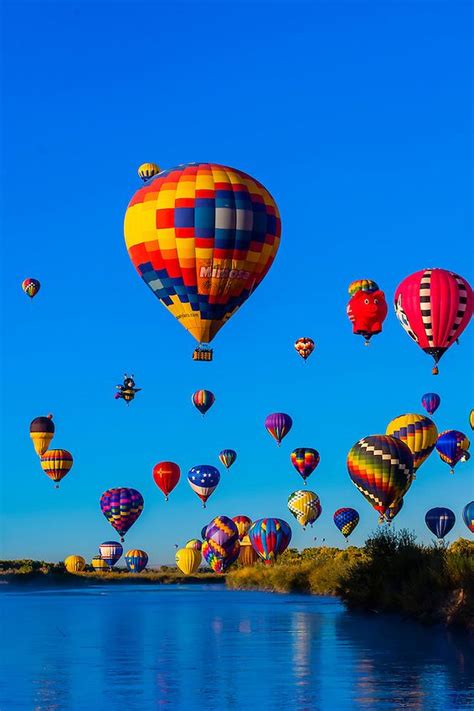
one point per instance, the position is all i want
(357, 119)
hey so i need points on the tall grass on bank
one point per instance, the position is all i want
(391, 573)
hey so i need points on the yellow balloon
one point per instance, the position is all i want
(99, 563)
(248, 555)
(148, 170)
(188, 560)
(418, 432)
(74, 563)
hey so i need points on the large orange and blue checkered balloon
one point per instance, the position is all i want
(452, 446)
(202, 236)
(269, 538)
(346, 519)
(121, 507)
(418, 432)
(434, 306)
(381, 467)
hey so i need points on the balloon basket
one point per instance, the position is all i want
(202, 353)
(435, 370)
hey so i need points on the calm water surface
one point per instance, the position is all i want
(204, 647)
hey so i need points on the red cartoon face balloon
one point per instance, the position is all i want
(367, 312)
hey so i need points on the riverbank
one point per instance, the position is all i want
(391, 573)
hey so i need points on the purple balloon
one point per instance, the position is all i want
(278, 424)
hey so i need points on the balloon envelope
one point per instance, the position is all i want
(218, 561)
(121, 507)
(304, 347)
(203, 400)
(136, 560)
(248, 555)
(346, 519)
(56, 463)
(41, 433)
(434, 306)
(203, 479)
(381, 467)
(74, 563)
(31, 287)
(305, 460)
(98, 563)
(227, 457)
(270, 538)
(305, 506)
(440, 521)
(188, 560)
(243, 524)
(194, 543)
(202, 236)
(418, 432)
(451, 446)
(431, 402)
(166, 476)
(110, 552)
(278, 424)
(221, 534)
(468, 516)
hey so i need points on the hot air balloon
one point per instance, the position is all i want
(451, 446)
(228, 457)
(121, 507)
(468, 516)
(270, 538)
(466, 457)
(305, 506)
(166, 476)
(366, 309)
(304, 347)
(221, 534)
(127, 390)
(247, 555)
(381, 467)
(203, 532)
(98, 563)
(136, 560)
(243, 524)
(220, 562)
(434, 306)
(440, 521)
(202, 236)
(393, 510)
(74, 563)
(31, 287)
(147, 171)
(56, 463)
(471, 419)
(431, 402)
(203, 400)
(346, 519)
(188, 560)
(418, 432)
(194, 543)
(305, 460)
(203, 479)
(278, 424)
(41, 433)
(110, 552)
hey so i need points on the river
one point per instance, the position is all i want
(203, 647)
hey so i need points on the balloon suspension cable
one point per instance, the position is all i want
(452, 471)
(166, 498)
(203, 504)
(56, 486)
(122, 539)
(366, 343)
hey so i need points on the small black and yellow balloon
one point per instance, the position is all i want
(98, 563)
(41, 433)
(148, 170)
